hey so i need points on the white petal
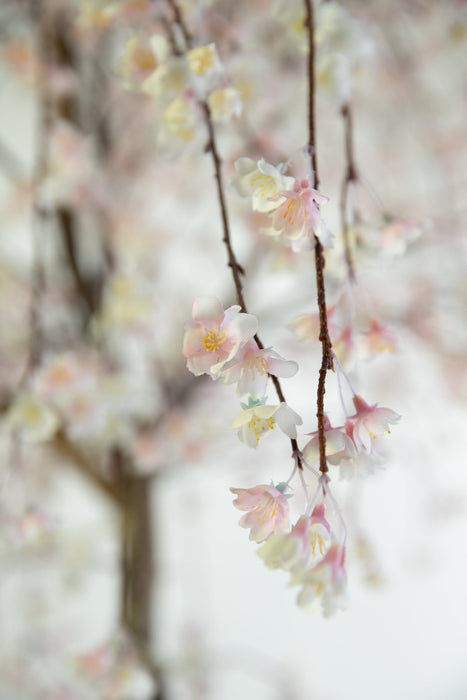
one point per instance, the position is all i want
(208, 309)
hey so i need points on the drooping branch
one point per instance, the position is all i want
(326, 346)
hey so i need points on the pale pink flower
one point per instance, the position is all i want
(397, 234)
(377, 339)
(288, 551)
(261, 181)
(297, 215)
(369, 422)
(268, 511)
(338, 445)
(215, 335)
(307, 326)
(137, 62)
(296, 550)
(225, 103)
(325, 583)
(251, 366)
(355, 461)
(257, 420)
(32, 419)
(344, 347)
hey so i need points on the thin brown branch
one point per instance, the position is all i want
(350, 177)
(309, 24)
(71, 454)
(326, 346)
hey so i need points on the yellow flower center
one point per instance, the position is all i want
(213, 340)
(264, 185)
(257, 364)
(260, 424)
(266, 509)
(201, 60)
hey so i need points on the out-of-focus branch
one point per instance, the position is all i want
(67, 451)
(350, 177)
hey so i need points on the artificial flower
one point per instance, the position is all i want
(214, 336)
(268, 511)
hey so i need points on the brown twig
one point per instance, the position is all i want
(326, 346)
(350, 177)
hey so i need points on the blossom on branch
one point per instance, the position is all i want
(268, 511)
(261, 181)
(296, 216)
(251, 366)
(304, 545)
(370, 422)
(325, 583)
(214, 336)
(258, 419)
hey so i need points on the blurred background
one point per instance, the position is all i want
(123, 572)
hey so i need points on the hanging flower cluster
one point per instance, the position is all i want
(292, 204)
(179, 83)
(221, 343)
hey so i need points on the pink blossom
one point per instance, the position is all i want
(307, 326)
(369, 422)
(338, 444)
(251, 366)
(325, 583)
(297, 215)
(268, 511)
(215, 335)
(344, 347)
(296, 550)
(377, 339)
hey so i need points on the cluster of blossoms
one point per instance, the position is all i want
(221, 343)
(292, 204)
(348, 346)
(179, 83)
(309, 551)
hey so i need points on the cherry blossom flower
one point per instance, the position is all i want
(137, 62)
(338, 445)
(397, 234)
(180, 130)
(325, 583)
(261, 181)
(377, 339)
(353, 461)
(203, 60)
(344, 347)
(170, 78)
(251, 366)
(307, 326)
(225, 103)
(258, 419)
(288, 551)
(32, 419)
(369, 422)
(296, 216)
(268, 511)
(305, 544)
(215, 335)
